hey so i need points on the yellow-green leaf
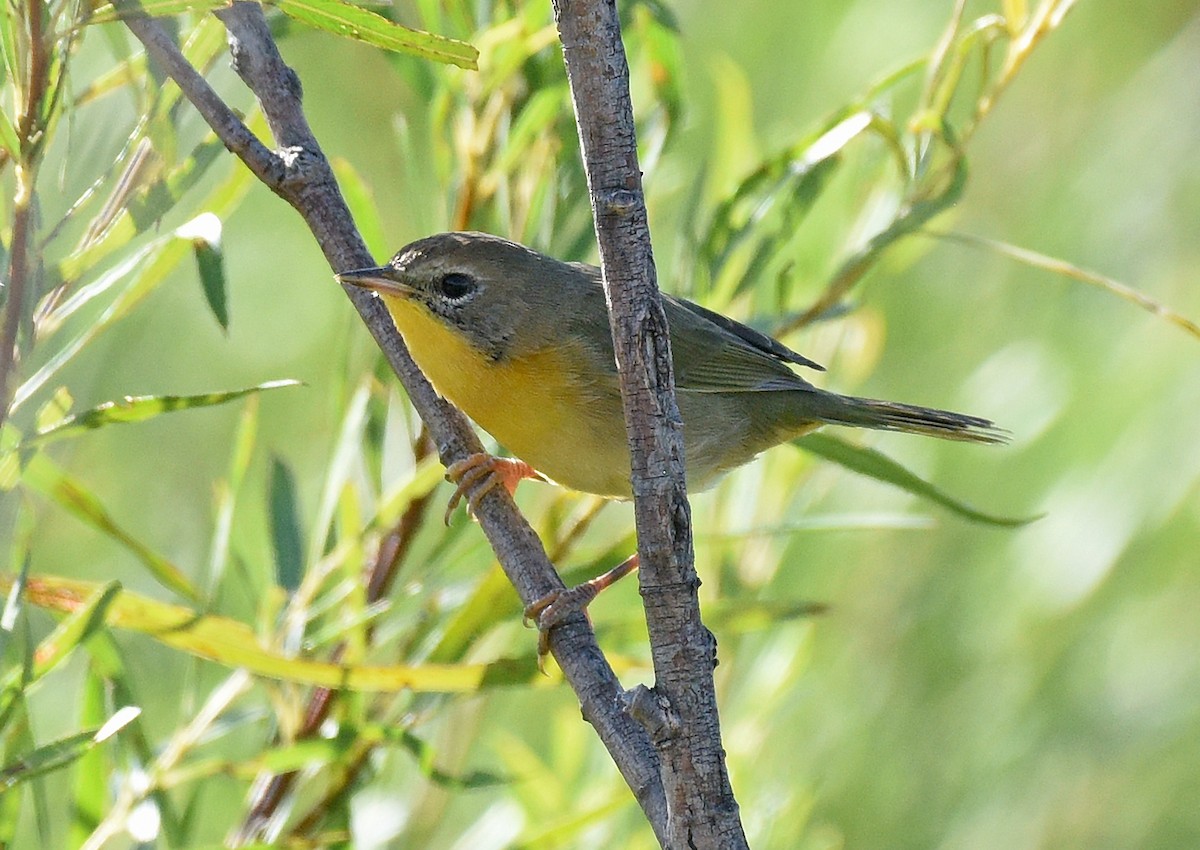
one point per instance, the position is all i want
(234, 644)
(110, 12)
(370, 28)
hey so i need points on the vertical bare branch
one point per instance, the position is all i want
(681, 713)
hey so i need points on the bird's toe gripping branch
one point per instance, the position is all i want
(476, 475)
(554, 607)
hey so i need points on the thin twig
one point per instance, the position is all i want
(301, 175)
(681, 713)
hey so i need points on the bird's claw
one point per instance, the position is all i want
(557, 605)
(552, 609)
(478, 474)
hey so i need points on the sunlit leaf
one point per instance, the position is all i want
(8, 136)
(876, 465)
(13, 66)
(80, 625)
(14, 602)
(234, 644)
(55, 411)
(110, 12)
(907, 219)
(769, 204)
(371, 28)
(141, 408)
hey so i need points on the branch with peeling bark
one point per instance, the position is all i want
(300, 174)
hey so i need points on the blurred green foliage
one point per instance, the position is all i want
(892, 674)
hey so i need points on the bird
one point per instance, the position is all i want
(520, 342)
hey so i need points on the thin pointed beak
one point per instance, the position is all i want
(381, 279)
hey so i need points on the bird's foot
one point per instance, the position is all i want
(476, 475)
(556, 606)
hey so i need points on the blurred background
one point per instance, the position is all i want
(966, 685)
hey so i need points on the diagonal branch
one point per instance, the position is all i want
(682, 710)
(300, 174)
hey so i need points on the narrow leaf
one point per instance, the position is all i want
(285, 528)
(426, 757)
(876, 465)
(8, 136)
(141, 408)
(110, 12)
(62, 752)
(147, 269)
(14, 601)
(90, 784)
(368, 27)
(74, 630)
(229, 490)
(234, 644)
(205, 234)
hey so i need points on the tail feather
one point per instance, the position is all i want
(893, 416)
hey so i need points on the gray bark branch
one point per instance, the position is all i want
(681, 713)
(300, 174)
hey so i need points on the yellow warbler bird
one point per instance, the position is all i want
(520, 342)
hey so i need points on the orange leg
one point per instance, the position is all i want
(478, 474)
(555, 607)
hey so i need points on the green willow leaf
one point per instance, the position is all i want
(64, 751)
(368, 27)
(285, 528)
(879, 466)
(141, 408)
(89, 786)
(210, 265)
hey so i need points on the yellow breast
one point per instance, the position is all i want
(534, 405)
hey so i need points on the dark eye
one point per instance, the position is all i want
(456, 286)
